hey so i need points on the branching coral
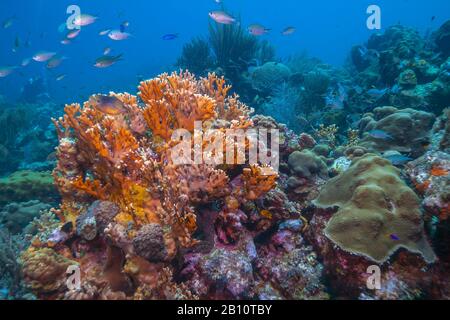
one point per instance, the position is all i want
(124, 199)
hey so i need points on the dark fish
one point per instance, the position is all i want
(107, 61)
(16, 44)
(433, 18)
(170, 36)
(108, 104)
(124, 25)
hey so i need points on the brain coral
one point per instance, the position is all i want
(266, 77)
(306, 163)
(407, 130)
(378, 213)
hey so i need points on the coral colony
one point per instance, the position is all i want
(238, 176)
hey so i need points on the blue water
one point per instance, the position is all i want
(326, 29)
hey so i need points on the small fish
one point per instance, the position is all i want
(377, 93)
(8, 23)
(60, 77)
(104, 32)
(73, 34)
(170, 36)
(62, 27)
(288, 31)
(109, 105)
(25, 62)
(54, 62)
(107, 51)
(394, 237)
(6, 71)
(66, 42)
(116, 35)
(380, 134)
(17, 43)
(43, 56)
(124, 25)
(257, 30)
(433, 18)
(107, 61)
(398, 159)
(83, 20)
(222, 17)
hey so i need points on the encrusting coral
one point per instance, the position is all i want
(125, 203)
(378, 213)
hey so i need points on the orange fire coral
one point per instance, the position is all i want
(116, 148)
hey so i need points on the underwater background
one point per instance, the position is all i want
(87, 114)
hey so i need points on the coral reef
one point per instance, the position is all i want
(388, 128)
(147, 209)
(146, 201)
(16, 216)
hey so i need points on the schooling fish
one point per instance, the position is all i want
(6, 71)
(43, 56)
(16, 44)
(25, 62)
(380, 134)
(117, 35)
(60, 77)
(107, 51)
(66, 42)
(104, 32)
(288, 31)
(8, 23)
(222, 17)
(55, 62)
(84, 20)
(108, 104)
(62, 27)
(257, 30)
(107, 61)
(170, 36)
(73, 34)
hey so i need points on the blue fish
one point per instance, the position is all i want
(377, 93)
(170, 36)
(380, 134)
(398, 159)
(394, 237)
